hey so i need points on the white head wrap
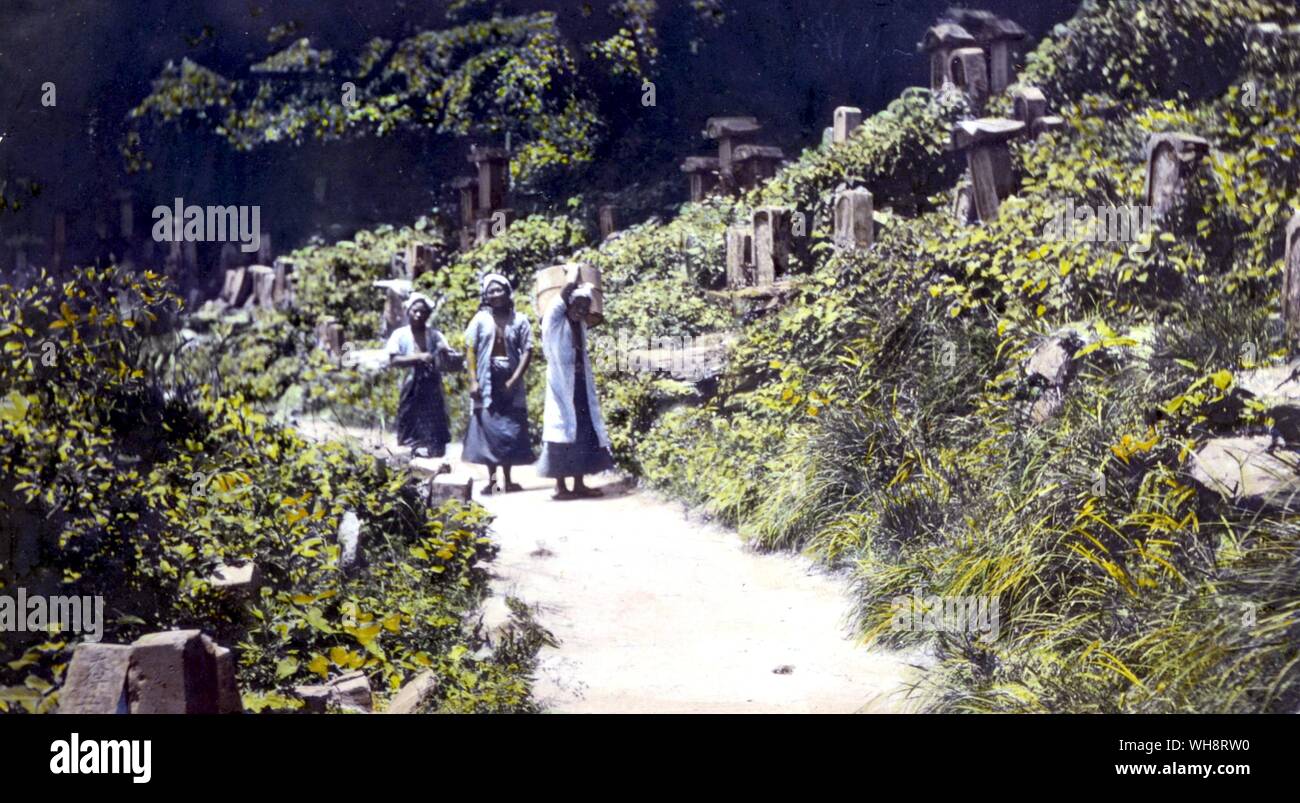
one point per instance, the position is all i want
(496, 277)
(415, 298)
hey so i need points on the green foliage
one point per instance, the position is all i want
(116, 482)
(486, 78)
(1146, 49)
(900, 154)
(336, 280)
(880, 420)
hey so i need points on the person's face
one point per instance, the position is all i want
(578, 309)
(496, 295)
(419, 313)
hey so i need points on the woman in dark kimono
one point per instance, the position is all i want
(499, 345)
(574, 441)
(421, 411)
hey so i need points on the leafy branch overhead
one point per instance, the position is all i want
(513, 75)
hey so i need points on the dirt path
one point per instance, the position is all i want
(655, 612)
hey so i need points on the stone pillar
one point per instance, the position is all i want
(329, 336)
(263, 290)
(230, 257)
(963, 204)
(608, 221)
(1171, 160)
(1028, 104)
(493, 168)
(238, 287)
(418, 260)
(729, 133)
(1291, 283)
(771, 244)
(854, 226)
(754, 164)
(847, 119)
(396, 291)
(939, 42)
(740, 256)
(96, 680)
(994, 35)
(265, 251)
(467, 194)
(702, 174)
(485, 227)
(1047, 124)
(969, 70)
(283, 288)
(985, 143)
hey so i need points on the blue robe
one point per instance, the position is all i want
(498, 427)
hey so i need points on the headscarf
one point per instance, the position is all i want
(583, 290)
(496, 277)
(415, 298)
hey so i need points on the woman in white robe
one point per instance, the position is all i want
(574, 441)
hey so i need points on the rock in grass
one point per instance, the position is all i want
(1278, 389)
(349, 538)
(352, 692)
(235, 579)
(411, 696)
(1246, 472)
(1052, 362)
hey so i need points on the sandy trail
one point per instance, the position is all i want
(657, 613)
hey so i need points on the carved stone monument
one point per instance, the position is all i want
(771, 244)
(702, 174)
(939, 42)
(985, 143)
(1171, 160)
(608, 221)
(493, 169)
(740, 256)
(847, 119)
(854, 226)
(729, 133)
(995, 36)
(969, 70)
(754, 164)
(1291, 282)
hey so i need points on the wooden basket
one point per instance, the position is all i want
(548, 282)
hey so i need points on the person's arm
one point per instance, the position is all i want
(396, 359)
(573, 277)
(524, 358)
(471, 358)
(406, 360)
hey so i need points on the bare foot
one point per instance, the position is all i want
(513, 486)
(588, 493)
(564, 496)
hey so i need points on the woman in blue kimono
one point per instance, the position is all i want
(499, 346)
(421, 411)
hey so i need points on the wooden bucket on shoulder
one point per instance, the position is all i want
(548, 282)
